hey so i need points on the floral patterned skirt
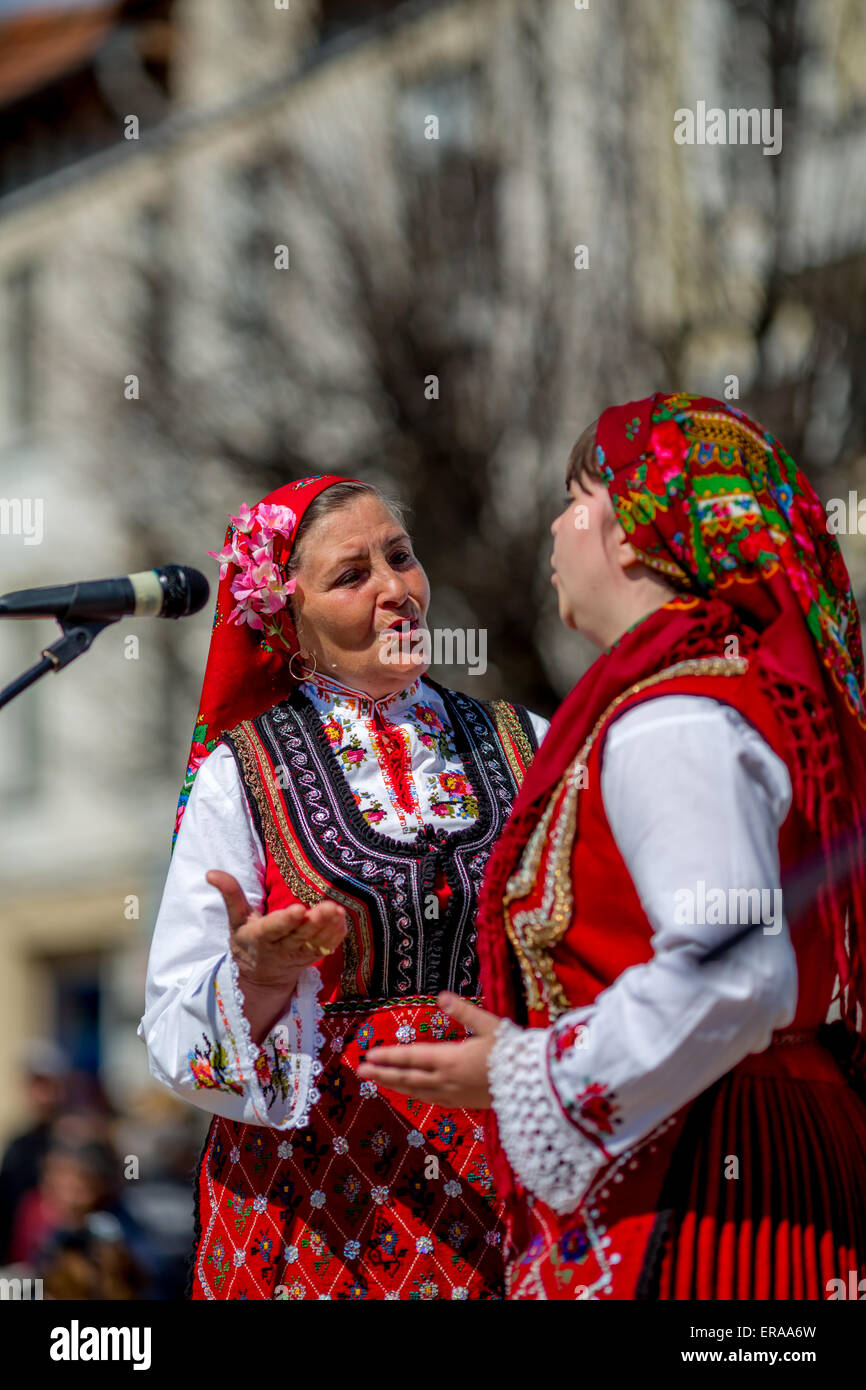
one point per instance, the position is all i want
(379, 1196)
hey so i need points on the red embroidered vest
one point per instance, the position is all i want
(572, 913)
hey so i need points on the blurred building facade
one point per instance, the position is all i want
(429, 170)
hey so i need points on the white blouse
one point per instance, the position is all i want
(193, 998)
(695, 799)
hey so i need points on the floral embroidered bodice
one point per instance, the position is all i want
(398, 755)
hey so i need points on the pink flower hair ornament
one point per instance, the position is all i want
(260, 589)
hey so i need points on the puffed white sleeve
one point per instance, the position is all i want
(196, 1031)
(540, 726)
(695, 799)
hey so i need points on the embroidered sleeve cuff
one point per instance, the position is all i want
(278, 1077)
(550, 1158)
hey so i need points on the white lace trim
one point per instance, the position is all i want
(304, 1041)
(551, 1158)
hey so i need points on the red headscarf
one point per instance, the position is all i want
(245, 674)
(712, 501)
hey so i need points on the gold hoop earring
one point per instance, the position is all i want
(306, 672)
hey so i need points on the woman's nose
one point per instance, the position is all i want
(393, 587)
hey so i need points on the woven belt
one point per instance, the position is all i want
(364, 1005)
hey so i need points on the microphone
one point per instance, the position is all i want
(172, 591)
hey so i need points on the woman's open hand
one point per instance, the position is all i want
(442, 1073)
(271, 951)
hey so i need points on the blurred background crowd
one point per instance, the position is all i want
(422, 243)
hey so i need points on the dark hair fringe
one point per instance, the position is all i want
(333, 499)
(583, 461)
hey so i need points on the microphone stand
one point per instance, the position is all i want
(77, 636)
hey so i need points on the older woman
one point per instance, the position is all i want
(337, 814)
(679, 900)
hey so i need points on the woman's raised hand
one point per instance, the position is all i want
(271, 950)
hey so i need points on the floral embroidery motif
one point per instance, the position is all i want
(376, 744)
(431, 731)
(439, 1025)
(564, 1039)
(257, 1146)
(593, 1108)
(241, 1209)
(221, 1264)
(352, 752)
(425, 1289)
(460, 801)
(334, 731)
(210, 1068)
(373, 811)
(201, 747)
(574, 1246)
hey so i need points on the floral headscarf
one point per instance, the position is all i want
(714, 502)
(253, 638)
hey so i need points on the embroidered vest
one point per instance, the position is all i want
(571, 911)
(405, 939)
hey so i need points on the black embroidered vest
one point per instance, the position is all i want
(318, 844)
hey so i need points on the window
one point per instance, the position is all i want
(155, 290)
(454, 97)
(22, 763)
(250, 285)
(76, 987)
(20, 345)
(450, 183)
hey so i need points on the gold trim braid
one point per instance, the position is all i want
(510, 730)
(535, 931)
(245, 739)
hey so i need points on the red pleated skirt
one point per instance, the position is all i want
(754, 1191)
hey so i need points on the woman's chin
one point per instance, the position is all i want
(566, 612)
(403, 672)
(409, 671)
